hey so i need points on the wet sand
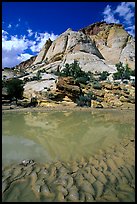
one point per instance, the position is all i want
(108, 176)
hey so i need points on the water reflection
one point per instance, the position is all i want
(46, 136)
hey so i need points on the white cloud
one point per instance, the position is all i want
(9, 26)
(17, 25)
(14, 44)
(41, 39)
(30, 33)
(16, 49)
(11, 49)
(131, 30)
(109, 15)
(132, 4)
(126, 10)
(24, 57)
(4, 34)
(124, 14)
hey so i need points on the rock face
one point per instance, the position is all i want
(71, 42)
(23, 65)
(39, 88)
(114, 43)
(43, 52)
(70, 46)
(97, 47)
(67, 86)
(128, 53)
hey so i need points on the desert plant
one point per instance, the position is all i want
(85, 100)
(15, 88)
(96, 85)
(33, 102)
(123, 72)
(74, 71)
(38, 75)
(82, 80)
(103, 75)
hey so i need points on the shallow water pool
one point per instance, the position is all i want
(66, 135)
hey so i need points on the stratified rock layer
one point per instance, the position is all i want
(114, 43)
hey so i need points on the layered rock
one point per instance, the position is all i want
(39, 88)
(67, 86)
(97, 47)
(71, 41)
(70, 46)
(114, 43)
(128, 53)
(43, 52)
(87, 62)
(23, 65)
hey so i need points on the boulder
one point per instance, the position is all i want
(47, 103)
(116, 102)
(104, 104)
(67, 86)
(38, 88)
(96, 104)
(106, 85)
(99, 93)
(109, 97)
(124, 99)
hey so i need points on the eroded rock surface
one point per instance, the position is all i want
(114, 43)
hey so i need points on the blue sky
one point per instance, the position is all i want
(27, 25)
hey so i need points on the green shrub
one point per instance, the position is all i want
(116, 83)
(26, 79)
(133, 83)
(33, 102)
(91, 75)
(82, 80)
(74, 71)
(133, 72)
(34, 78)
(116, 76)
(103, 75)
(38, 75)
(85, 100)
(96, 85)
(15, 88)
(123, 72)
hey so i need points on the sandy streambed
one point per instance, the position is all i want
(107, 176)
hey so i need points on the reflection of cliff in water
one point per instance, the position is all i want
(66, 135)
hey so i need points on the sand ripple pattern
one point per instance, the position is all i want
(106, 177)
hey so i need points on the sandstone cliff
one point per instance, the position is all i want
(113, 42)
(70, 46)
(97, 47)
(23, 65)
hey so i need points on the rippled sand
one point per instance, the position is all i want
(107, 176)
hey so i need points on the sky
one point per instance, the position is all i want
(27, 25)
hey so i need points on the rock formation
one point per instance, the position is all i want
(113, 42)
(72, 45)
(23, 65)
(43, 52)
(97, 47)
